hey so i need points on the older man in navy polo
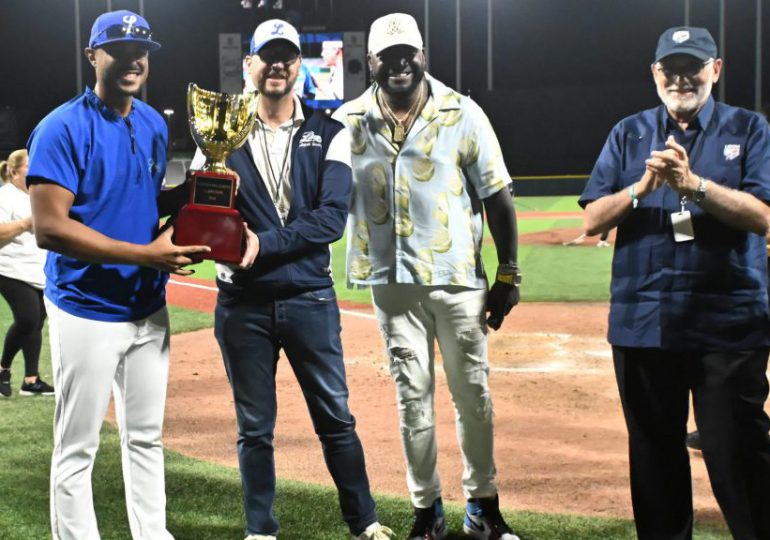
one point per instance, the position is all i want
(688, 184)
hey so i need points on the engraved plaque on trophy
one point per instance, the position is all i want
(220, 124)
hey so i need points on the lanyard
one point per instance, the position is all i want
(277, 180)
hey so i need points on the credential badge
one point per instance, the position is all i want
(680, 35)
(732, 151)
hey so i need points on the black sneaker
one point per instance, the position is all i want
(484, 521)
(5, 383)
(429, 523)
(693, 440)
(37, 388)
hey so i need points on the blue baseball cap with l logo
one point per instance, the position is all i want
(121, 26)
(271, 30)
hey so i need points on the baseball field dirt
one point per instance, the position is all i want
(560, 437)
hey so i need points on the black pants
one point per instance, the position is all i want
(26, 332)
(729, 390)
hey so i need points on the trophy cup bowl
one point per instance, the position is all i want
(219, 124)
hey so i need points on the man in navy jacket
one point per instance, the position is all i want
(295, 193)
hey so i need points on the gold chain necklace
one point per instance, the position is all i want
(401, 127)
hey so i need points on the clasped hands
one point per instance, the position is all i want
(670, 166)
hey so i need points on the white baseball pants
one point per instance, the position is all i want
(411, 317)
(90, 360)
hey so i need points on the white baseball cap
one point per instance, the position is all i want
(394, 29)
(270, 31)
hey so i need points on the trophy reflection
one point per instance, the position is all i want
(220, 124)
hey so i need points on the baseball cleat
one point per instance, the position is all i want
(429, 523)
(484, 521)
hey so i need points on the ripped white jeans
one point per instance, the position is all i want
(411, 318)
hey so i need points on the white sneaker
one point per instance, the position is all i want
(484, 521)
(375, 531)
(260, 537)
(603, 243)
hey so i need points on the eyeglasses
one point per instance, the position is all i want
(118, 31)
(273, 56)
(689, 69)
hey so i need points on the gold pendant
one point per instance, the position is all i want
(398, 133)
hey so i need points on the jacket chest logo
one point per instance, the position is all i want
(309, 138)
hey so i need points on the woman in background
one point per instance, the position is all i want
(21, 279)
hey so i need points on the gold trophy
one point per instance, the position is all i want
(220, 124)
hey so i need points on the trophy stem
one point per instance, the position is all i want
(214, 166)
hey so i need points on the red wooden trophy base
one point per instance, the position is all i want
(209, 218)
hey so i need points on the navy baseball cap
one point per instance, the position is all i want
(690, 40)
(121, 26)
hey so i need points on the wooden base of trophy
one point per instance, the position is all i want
(209, 219)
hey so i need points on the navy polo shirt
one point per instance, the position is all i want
(706, 294)
(114, 166)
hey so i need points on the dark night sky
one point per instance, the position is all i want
(565, 70)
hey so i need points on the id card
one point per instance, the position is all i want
(682, 224)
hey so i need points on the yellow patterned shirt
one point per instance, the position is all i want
(417, 212)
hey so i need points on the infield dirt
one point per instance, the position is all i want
(560, 436)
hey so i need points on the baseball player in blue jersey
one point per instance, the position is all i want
(96, 165)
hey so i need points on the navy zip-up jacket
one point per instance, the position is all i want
(294, 257)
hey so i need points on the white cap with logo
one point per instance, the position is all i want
(394, 29)
(272, 30)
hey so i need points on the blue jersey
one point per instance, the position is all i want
(114, 166)
(705, 294)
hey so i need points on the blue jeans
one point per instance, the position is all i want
(250, 333)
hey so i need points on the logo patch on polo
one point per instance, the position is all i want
(680, 35)
(732, 151)
(309, 138)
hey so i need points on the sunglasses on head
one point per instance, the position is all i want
(118, 31)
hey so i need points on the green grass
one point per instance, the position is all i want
(204, 500)
(566, 203)
(526, 226)
(551, 273)
(188, 320)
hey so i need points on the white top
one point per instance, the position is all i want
(275, 170)
(21, 258)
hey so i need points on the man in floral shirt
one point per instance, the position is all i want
(425, 163)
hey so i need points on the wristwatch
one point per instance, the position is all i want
(700, 192)
(509, 274)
